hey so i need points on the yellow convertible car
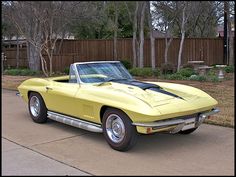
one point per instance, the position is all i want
(103, 97)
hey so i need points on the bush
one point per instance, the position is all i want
(167, 68)
(141, 72)
(144, 72)
(156, 72)
(186, 72)
(21, 72)
(214, 78)
(127, 64)
(67, 70)
(188, 65)
(229, 69)
(175, 76)
(198, 78)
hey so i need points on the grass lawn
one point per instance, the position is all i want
(223, 92)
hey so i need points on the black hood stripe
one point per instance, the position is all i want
(145, 86)
(165, 92)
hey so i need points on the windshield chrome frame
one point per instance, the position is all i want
(76, 73)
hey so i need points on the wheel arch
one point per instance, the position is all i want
(105, 107)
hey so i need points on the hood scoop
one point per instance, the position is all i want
(145, 86)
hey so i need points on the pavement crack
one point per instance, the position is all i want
(23, 146)
(59, 139)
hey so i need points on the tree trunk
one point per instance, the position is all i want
(231, 40)
(134, 36)
(34, 58)
(115, 32)
(231, 48)
(182, 39)
(43, 64)
(17, 51)
(141, 36)
(167, 43)
(152, 39)
(180, 50)
(50, 63)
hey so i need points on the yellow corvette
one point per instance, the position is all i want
(103, 97)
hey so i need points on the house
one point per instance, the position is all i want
(159, 34)
(220, 30)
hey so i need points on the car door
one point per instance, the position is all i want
(61, 98)
(61, 95)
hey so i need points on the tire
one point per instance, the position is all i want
(186, 132)
(37, 108)
(118, 130)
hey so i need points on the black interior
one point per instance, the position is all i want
(65, 80)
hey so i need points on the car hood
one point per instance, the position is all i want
(160, 95)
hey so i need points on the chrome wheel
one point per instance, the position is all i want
(115, 128)
(34, 106)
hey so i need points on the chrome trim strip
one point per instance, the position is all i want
(96, 62)
(160, 123)
(214, 111)
(75, 122)
(203, 116)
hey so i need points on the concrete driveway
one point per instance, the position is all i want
(55, 148)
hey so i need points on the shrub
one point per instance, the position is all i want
(175, 76)
(21, 72)
(188, 65)
(229, 69)
(186, 72)
(13, 72)
(144, 72)
(67, 70)
(127, 64)
(156, 72)
(198, 78)
(141, 71)
(212, 72)
(167, 68)
(214, 78)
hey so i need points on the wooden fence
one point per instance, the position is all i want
(209, 50)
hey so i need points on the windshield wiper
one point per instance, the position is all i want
(112, 79)
(115, 79)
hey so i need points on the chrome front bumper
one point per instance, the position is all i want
(178, 124)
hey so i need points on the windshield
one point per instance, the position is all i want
(102, 72)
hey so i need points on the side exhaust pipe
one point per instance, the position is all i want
(75, 122)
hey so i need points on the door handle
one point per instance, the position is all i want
(48, 88)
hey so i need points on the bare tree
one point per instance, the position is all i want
(152, 39)
(134, 20)
(42, 24)
(167, 42)
(141, 34)
(17, 51)
(165, 16)
(115, 30)
(27, 26)
(184, 21)
(230, 16)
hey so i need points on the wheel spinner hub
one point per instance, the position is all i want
(115, 128)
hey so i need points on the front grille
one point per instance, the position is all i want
(182, 117)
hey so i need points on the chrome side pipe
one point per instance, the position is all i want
(75, 122)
